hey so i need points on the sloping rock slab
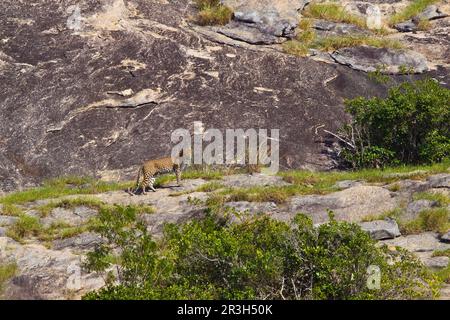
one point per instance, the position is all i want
(439, 181)
(432, 12)
(252, 207)
(353, 204)
(424, 242)
(253, 180)
(446, 237)
(381, 229)
(263, 21)
(248, 33)
(83, 241)
(388, 61)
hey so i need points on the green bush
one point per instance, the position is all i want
(256, 258)
(410, 126)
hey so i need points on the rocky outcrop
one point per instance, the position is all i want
(112, 91)
(381, 229)
(53, 269)
(273, 21)
(371, 59)
(431, 12)
(353, 204)
(423, 245)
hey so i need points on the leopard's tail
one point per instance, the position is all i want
(136, 188)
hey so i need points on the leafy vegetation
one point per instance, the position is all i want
(413, 9)
(257, 258)
(410, 126)
(213, 12)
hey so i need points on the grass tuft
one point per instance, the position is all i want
(212, 12)
(63, 186)
(332, 12)
(7, 271)
(441, 199)
(10, 210)
(436, 219)
(413, 9)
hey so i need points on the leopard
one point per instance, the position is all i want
(152, 168)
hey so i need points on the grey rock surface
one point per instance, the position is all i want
(352, 204)
(331, 29)
(7, 220)
(390, 61)
(253, 207)
(84, 241)
(175, 76)
(446, 237)
(381, 229)
(432, 12)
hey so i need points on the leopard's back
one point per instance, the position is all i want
(159, 166)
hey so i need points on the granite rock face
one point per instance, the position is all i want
(101, 98)
(275, 18)
(370, 59)
(381, 229)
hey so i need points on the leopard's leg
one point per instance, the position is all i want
(147, 182)
(178, 174)
(137, 182)
(152, 181)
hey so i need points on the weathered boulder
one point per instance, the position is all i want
(414, 208)
(407, 26)
(3, 231)
(439, 181)
(381, 229)
(74, 217)
(326, 28)
(7, 220)
(436, 262)
(277, 18)
(422, 245)
(252, 207)
(353, 204)
(46, 274)
(84, 241)
(253, 180)
(390, 61)
(446, 237)
(424, 242)
(59, 87)
(345, 184)
(432, 12)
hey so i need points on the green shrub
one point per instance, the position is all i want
(257, 258)
(410, 126)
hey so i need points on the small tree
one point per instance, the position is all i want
(410, 126)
